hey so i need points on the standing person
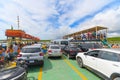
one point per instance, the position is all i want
(98, 35)
(104, 35)
(44, 48)
(10, 53)
(1, 53)
(88, 35)
(1, 57)
(81, 36)
(84, 36)
(19, 49)
(15, 49)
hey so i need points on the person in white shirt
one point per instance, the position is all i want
(15, 49)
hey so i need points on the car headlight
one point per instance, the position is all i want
(5, 76)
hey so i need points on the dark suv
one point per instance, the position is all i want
(89, 45)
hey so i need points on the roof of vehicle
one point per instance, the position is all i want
(91, 45)
(31, 46)
(54, 45)
(37, 44)
(117, 50)
(86, 30)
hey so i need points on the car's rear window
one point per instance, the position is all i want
(31, 50)
(55, 47)
(91, 45)
(73, 48)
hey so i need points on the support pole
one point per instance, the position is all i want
(96, 32)
(18, 22)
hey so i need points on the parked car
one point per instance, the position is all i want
(32, 54)
(14, 73)
(54, 51)
(103, 62)
(71, 51)
(86, 46)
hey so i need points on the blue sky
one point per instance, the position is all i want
(51, 19)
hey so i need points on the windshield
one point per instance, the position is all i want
(73, 48)
(55, 47)
(31, 50)
(64, 42)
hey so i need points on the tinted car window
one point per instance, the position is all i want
(94, 53)
(31, 50)
(66, 47)
(87, 45)
(90, 45)
(64, 42)
(73, 48)
(110, 56)
(55, 47)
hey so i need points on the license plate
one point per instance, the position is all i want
(31, 61)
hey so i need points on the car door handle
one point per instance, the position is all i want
(115, 65)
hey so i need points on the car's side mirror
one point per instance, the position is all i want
(85, 53)
(84, 49)
(87, 49)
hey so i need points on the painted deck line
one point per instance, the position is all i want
(40, 74)
(75, 69)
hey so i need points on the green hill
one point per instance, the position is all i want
(114, 40)
(44, 40)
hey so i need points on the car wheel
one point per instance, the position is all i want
(42, 64)
(80, 62)
(115, 77)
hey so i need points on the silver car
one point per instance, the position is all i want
(54, 51)
(32, 54)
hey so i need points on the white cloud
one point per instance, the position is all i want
(109, 18)
(35, 14)
(82, 8)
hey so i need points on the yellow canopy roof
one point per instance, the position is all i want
(97, 28)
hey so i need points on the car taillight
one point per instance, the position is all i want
(41, 54)
(71, 50)
(49, 50)
(92, 48)
(19, 55)
(79, 51)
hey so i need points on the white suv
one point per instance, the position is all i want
(32, 54)
(104, 62)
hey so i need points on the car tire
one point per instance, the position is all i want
(115, 77)
(80, 62)
(42, 64)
